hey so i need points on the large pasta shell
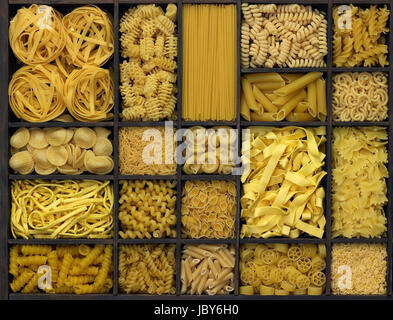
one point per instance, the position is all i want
(64, 118)
(37, 138)
(57, 155)
(56, 136)
(79, 162)
(69, 135)
(20, 138)
(88, 156)
(40, 158)
(67, 169)
(99, 165)
(45, 171)
(22, 162)
(103, 147)
(70, 150)
(85, 138)
(102, 132)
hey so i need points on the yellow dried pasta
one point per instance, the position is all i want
(282, 195)
(358, 182)
(147, 209)
(66, 273)
(208, 209)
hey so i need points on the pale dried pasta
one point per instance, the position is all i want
(37, 35)
(61, 209)
(133, 160)
(148, 269)
(208, 209)
(282, 269)
(282, 193)
(65, 150)
(360, 96)
(209, 62)
(362, 41)
(148, 78)
(275, 97)
(293, 36)
(35, 93)
(90, 36)
(82, 269)
(210, 150)
(207, 269)
(147, 209)
(359, 269)
(359, 176)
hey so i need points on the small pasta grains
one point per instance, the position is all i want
(358, 269)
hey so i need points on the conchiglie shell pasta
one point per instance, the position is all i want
(85, 138)
(56, 136)
(67, 169)
(103, 147)
(102, 132)
(22, 162)
(20, 138)
(40, 158)
(100, 165)
(88, 156)
(45, 171)
(57, 155)
(37, 138)
(69, 135)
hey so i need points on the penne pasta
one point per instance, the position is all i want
(266, 103)
(298, 84)
(264, 77)
(312, 99)
(321, 99)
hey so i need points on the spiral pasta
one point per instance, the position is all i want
(272, 35)
(360, 96)
(363, 42)
(281, 269)
(148, 77)
(147, 209)
(89, 94)
(68, 271)
(148, 269)
(36, 93)
(37, 35)
(90, 36)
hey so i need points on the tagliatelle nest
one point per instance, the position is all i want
(37, 35)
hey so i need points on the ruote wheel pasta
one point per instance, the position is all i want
(36, 93)
(89, 94)
(89, 36)
(37, 35)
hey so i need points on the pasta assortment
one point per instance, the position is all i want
(361, 42)
(61, 209)
(207, 269)
(359, 268)
(293, 36)
(209, 62)
(360, 96)
(282, 195)
(148, 78)
(53, 47)
(282, 269)
(208, 209)
(210, 150)
(276, 97)
(147, 269)
(74, 269)
(136, 157)
(65, 150)
(147, 209)
(359, 190)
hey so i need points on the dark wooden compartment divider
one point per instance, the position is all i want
(8, 124)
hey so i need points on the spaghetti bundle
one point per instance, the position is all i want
(36, 93)
(89, 94)
(89, 36)
(209, 62)
(37, 35)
